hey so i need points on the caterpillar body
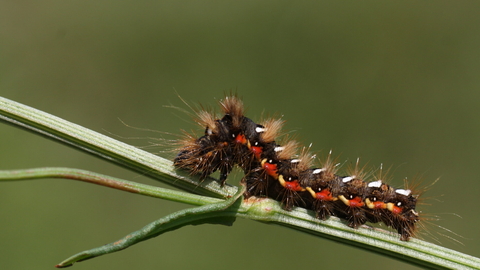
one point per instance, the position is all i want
(277, 171)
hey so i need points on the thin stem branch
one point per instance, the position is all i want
(196, 215)
(107, 181)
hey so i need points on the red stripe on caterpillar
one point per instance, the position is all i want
(276, 171)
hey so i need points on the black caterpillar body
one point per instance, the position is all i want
(277, 171)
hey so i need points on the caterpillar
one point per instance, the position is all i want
(280, 172)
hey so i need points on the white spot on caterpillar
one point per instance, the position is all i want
(295, 160)
(375, 184)
(347, 179)
(404, 192)
(317, 171)
(259, 129)
(279, 149)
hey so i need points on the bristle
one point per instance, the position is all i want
(272, 129)
(207, 120)
(233, 106)
(288, 150)
(305, 159)
(330, 165)
(357, 171)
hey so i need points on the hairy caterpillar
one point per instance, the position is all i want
(277, 171)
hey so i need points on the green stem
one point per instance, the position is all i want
(196, 215)
(107, 181)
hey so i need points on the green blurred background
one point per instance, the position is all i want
(392, 82)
